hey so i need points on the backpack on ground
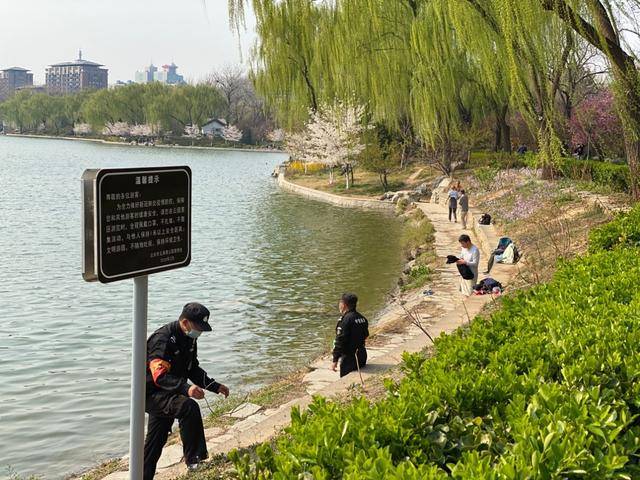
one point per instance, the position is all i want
(485, 219)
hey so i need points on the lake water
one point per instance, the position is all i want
(269, 265)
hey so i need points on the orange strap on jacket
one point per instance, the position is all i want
(158, 367)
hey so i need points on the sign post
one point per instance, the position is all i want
(136, 221)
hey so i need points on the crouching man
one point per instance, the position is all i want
(172, 360)
(352, 331)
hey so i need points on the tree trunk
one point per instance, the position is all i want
(351, 169)
(628, 100)
(346, 179)
(505, 129)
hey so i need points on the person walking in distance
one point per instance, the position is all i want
(463, 202)
(453, 203)
(352, 331)
(172, 361)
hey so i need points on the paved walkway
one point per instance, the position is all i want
(442, 312)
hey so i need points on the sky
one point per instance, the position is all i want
(124, 35)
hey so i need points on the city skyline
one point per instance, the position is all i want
(195, 34)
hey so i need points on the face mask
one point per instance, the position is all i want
(194, 334)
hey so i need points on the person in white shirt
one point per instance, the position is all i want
(469, 256)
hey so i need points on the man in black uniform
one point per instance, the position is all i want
(172, 359)
(351, 332)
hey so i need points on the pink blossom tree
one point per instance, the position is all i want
(596, 125)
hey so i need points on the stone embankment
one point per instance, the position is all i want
(441, 312)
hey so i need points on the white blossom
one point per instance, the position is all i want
(118, 129)
(232, 133)
(144, 130)
(332, 136)
(81, 129)
(192, 131)
(276, 136)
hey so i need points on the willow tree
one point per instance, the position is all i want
(599, 22)
(286, 70)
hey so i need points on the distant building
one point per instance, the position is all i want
(147, 75)
(122, 83)
(168, 75)
(12, 79)
(71, 77)
(214, 127)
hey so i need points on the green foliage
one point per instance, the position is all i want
(417, 230)
(623, 231)
(546, 387)
(169, 107)
(381, 158)
(617, 177)
(418, 277)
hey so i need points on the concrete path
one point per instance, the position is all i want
(442, 312)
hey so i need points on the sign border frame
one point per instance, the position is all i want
(100, 175)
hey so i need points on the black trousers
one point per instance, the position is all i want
(452, 212)
(163, 408)
(348, 363)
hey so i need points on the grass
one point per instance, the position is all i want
(367, 184)
(418, 277)
(273, 395)
(103, 470)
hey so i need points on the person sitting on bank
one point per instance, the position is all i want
(469, 256)
(172, 360)
(352, 331)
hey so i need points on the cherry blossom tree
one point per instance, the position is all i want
(192, 131)
(231, 133)
(276, 136)
(80, 129)
(335, 137)
(299, 148)
(144, 130)
(118, 129)
(596, 125)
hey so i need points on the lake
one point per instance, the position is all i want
(269, 265)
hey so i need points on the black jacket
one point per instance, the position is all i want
(172, 359)
(351, 332)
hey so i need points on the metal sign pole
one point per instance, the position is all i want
(138, 376)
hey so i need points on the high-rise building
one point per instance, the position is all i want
(70, 77)
(147, 75)
(12, 79)
(168, 75)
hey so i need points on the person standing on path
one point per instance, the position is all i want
(453, 203)
(172, 360)
(469, 256)
(352, 331)
(463, 201)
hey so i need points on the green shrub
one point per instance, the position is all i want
(546, 387)
(418, 277)
(608, 174)
(624, 230)
(416, 233)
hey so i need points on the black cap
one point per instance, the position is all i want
(198, 314)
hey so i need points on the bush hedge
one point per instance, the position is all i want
(612, 175)
(624, 231)
(546, 387)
